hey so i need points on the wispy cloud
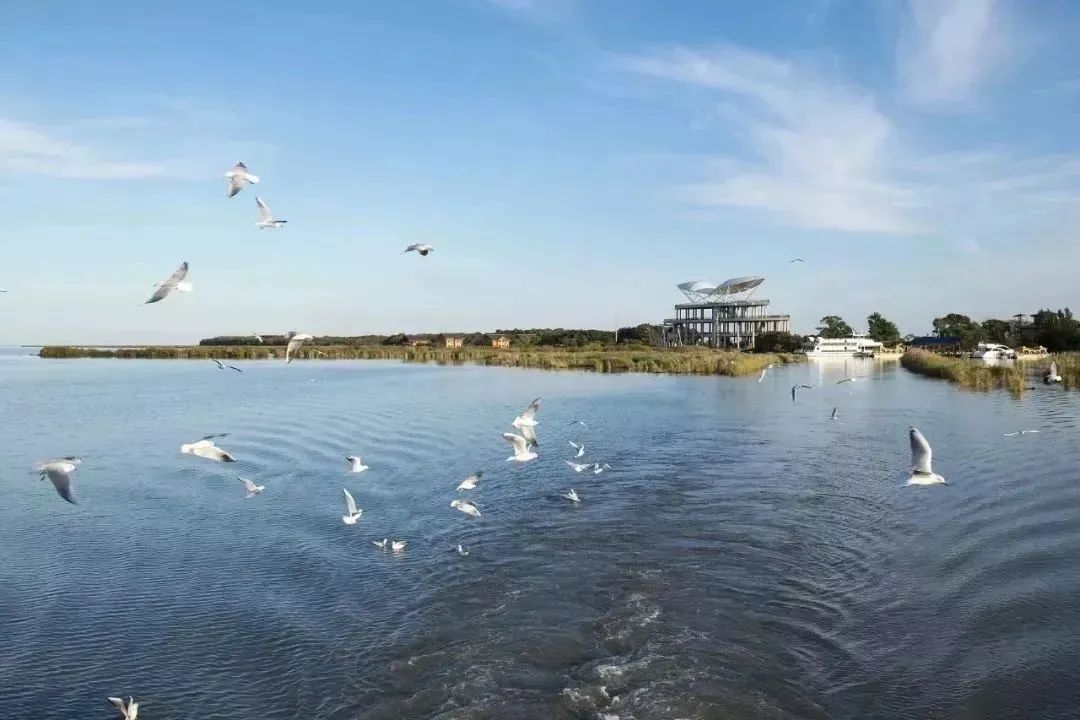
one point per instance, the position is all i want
(947, 48)
(819, 151)
(27, 148)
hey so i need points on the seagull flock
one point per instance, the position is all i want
(524, 442)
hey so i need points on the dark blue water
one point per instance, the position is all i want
(746, 558)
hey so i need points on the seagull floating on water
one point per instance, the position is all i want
(356, 464)
(205, 448)
(466, 507)
(222, 366)
(420, 248)
(1019, 432)
(921, 472)
(522, 453)
(1052, 375)
(597, 468)
(469, 483)
(239, 177)
(462, 551)
(129, 710)
(251, 487)
(580, 448)
(175, 282)
(266, 218)
(572, 496)
(398, 545)
(795, 389)
(354, 512)
(381, 544)
(295, 341)
(59, 472)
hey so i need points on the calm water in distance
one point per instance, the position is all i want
(746, 558)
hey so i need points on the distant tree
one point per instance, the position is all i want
(969, 332)
(998, 331)
(398, 339)
(778, 342)
(1057, 330)
(833, 326)
(645, 334)
(882, 330)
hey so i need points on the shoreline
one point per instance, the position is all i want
(975, 374)
(673, 361)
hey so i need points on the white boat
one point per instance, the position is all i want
(857, 345)
(993, 351)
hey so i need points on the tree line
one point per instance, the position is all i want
(644, 334)
(1056, 330)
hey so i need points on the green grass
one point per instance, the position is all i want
(680, 361)
(970, 374)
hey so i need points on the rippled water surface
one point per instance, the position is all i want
(745, 558)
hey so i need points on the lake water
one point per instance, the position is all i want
(746, 557)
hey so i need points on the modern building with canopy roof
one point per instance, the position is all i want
(724, 315)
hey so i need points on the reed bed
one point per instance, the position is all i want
(676, 361)
(970, 374)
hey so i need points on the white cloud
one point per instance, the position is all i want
(822, 150)
(26, 148)
(947, 49)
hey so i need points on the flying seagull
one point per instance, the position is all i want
(580, 448)
(522, 453)
(421, 248)
(846, 380)
(529, 433)
(381, 544)
(354, 512)
(766, 369)
(205, 448)
(266, 218)
(356, 464)
(1019, 432)
(796, 260)
(175, 282)
(579, 422)
(1052, 375)
(258, 337)
(398, 545)
(578, 467)
(239, 177)
(2, 290)
(59, 473)
(833, 416)
(222, 366)
(466, 507)
(572, 496)
(469, 483)
(129, 710)
(528, 418)
(597, 468)
(295, 341)
(795, 389)
(252, 488)
(921, 472)
(462, 551)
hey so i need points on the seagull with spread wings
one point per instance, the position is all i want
(922, 472)
(266, 218)
(175, 282)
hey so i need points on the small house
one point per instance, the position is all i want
(501, 343)
(454, 342)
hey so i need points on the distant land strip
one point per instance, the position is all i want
(677, 361)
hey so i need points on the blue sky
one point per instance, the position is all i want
(570, 160)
